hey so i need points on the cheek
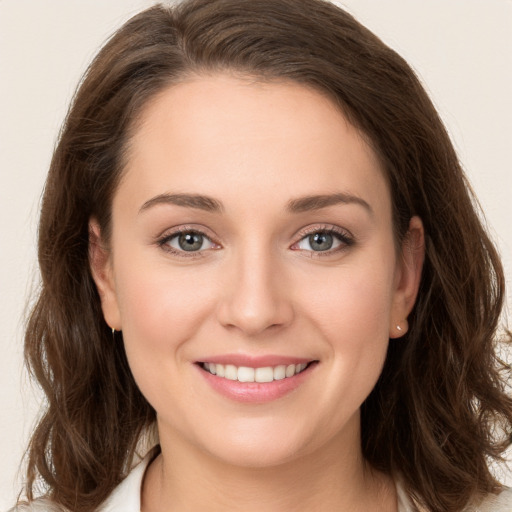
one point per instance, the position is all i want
(157, 296)
(355, 302)
(161, 309)
(352, 314)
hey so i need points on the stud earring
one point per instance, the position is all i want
(399, 329)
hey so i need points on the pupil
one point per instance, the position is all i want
(321, 241)
(191, 241)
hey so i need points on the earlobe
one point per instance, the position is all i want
(100, 263)
(408, 277)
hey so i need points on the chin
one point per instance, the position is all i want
(258, 445)
(257, 456)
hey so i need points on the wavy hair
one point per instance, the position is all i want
(440, 410)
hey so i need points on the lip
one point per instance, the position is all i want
(254, 361)
(255, 392)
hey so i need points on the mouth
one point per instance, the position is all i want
(263, 374)
(255, 379)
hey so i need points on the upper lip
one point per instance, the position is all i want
(254, 361)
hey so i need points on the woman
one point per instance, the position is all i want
(257, 241)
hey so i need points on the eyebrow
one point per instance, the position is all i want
(187, 200)
(317, 202)
(299, 205)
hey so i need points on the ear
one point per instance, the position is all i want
(408, 277)
(100, 261)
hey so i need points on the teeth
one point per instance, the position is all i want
(264, 374)
(279, 372)
(246, 374)
(230, 372)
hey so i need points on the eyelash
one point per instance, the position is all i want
(343, 236)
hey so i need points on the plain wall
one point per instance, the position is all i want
(460, 48)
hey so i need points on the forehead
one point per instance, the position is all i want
(225, 136)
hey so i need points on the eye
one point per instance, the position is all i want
(187, 241)
(318, 242)
(324, 240)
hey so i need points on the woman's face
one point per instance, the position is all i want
(252, 236)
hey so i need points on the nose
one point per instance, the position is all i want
(255, 297)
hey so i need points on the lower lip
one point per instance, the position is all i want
(256, 392)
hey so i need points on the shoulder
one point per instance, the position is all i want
(495, 502)
(125, 497)
(38, 505)
(492, 503)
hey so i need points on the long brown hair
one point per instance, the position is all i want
(436, 414)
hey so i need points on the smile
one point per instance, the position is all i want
(255, 380)
(248, 374)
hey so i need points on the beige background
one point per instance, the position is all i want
(462, 49)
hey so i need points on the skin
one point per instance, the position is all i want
(256, 287)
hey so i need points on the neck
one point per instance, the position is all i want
(184, 478)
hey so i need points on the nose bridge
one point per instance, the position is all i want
(256, 298)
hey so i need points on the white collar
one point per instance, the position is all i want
(126, 497)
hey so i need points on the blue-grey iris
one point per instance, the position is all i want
(321, 241)
(190, 241)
